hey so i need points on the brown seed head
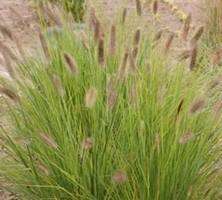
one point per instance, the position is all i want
(90, 97)
(9, 93)
(87, 144)
(138, 8)
(137, 37)
(193, 57)
(119, 177)
(113, 40)
(101, 52)
(169, 42)
(197, 35)
(186, 27)
(71, 64)
(155, 7)
(43, 169)
(124, 15)
(197, 105)
(48, 140)
(186, 138)
(57, 83)
(44, 46)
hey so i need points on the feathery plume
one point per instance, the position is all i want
(122, 69)
(137, 37)
(43, 169)
(138, 8)
(135, 52)
(87, 144)
(97, 30)
(216, 57)
(197, 105)
(197, 35)
(132, 69)
(54, 17)
(7, 51)
(9, 93)
(71, 64)
(101, 52)
(90, 97)
(84, 40)
(193, 57)
(6, 32)
(133, 95)
(186, 27)
(179, 108)
(44, 46)
(119, 177)
(8, 65)
(111, 94)
(184, 55)
(112, 40)
(124, 15)
(155, 7)
(158, 35)
(215, 82)
(169, 42)
(217, 108)
(48, 140)
(186, 138)
(57, 83)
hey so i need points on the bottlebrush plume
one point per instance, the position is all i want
(193, 57)
(169, 42)
(91, 97)
(9, 93)
(57, 83)
(186, 27)
(138, 7)
(44, 46)
(87, 144)
(137, 37)
(119, 177)
(155, 7)
(185, 138)
(197, 105)
(48, 140)
(71, 64)
(113, 40)
(124, 15)
(197, 34)
(101, 52)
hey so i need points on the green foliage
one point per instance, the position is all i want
(76, 7)
(86, 129)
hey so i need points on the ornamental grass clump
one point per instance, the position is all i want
(126, 126)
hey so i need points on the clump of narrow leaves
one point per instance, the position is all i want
(115, 120)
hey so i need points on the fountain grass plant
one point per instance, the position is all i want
(107, 115)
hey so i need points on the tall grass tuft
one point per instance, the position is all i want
(142, 127)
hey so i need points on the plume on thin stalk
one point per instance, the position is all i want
(185, 138)
(186, 27)
(97, 31)
(53, 16)
(138, 7)
(43, 169)
(6, 32)
(119, 177)
(169, 42)
(44, 46)
(137, 37)
(91, 97)
(71, 64)
(155, 7)
(9, 93)
(124, 15)
(179, 108)
(133, 95)
(8, 51)
(101, 52)
(87, 144)
(113, 40)
(132, 69)
(57, 83)
(8, 65)
(158, 35)
(185, 54)
(111, 94)
(123, 67)
(197, 106)
(217, 109)
(197, 35)
(48, 140)
(193, 57)
(85, 41)
(216, 57)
